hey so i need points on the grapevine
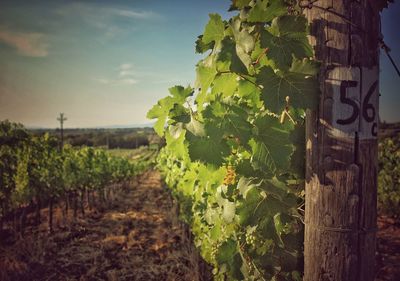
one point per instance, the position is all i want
(33, 171)
(234, 154)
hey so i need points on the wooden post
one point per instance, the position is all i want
(341, 173)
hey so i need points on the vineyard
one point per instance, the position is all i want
(35, 173)
(222, 194)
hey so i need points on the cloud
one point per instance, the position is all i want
(118, 81)
(127, 81)
(102, 15)
(133, 14)
(125, 66)
(126, 70)
(26, 44)
(124, 73)
(111, 21)
(125, 76)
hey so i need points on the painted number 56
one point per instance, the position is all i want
(368, 110)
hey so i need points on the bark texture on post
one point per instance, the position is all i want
(341, 173)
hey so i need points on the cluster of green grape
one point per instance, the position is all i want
(214, 250)
(251, 238)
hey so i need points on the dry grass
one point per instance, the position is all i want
(139, 238)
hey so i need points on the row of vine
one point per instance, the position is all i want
(34, 173)
(234, 155)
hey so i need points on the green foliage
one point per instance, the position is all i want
(389, 176)
(33, 168)
(234, 151)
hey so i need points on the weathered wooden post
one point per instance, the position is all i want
(341, 175)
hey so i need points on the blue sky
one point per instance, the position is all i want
(107, 62)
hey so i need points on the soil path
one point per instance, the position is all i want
(388, 250)
(137, 238)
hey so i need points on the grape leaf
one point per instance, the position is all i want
(180, 93)
(196, 127)
(246, 184)
(179, 114)
(234, 123)
(287, 37)
(163, 107)
(265, 11)
(208, 150)
(305, 66)
(225, 84)
(205, 76)
(228, 58)
(201, 47)
(244, 43)
(228, 212)
(160, 111)
(302, 90)
(272, 148)
(214, 30)
(246, 207)
(240, 4)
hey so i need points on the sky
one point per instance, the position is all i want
(105, 63)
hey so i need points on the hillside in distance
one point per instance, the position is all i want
(104, 137)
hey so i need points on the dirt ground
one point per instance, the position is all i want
(137, 238)
(388, 250)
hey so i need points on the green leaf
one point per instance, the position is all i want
(240, 4)
(205, 76)
(160, 111)
(176, 143)
(267, 227)
(287, 37)
(163, 107)
(208, 150)
(250, 92)
(235, 124)
(201, 47)
(187, 182)
(226, 251)
(305, 66)
(265, 11)
(225, 84)
(272, 148)
(215, 109)
(243, 38)
(246, 88)
(228, 59)
(179, 114)
(248, 206)
(228, 212)
(298, 159)
(262, 158)
(196, 127)
(275, 187)
(180, 94)
(303, 90)
(214, 30)
(244, 43)
(246, 184)
(279, 225)
(291, 25)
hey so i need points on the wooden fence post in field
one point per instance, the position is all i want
(341, 173)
